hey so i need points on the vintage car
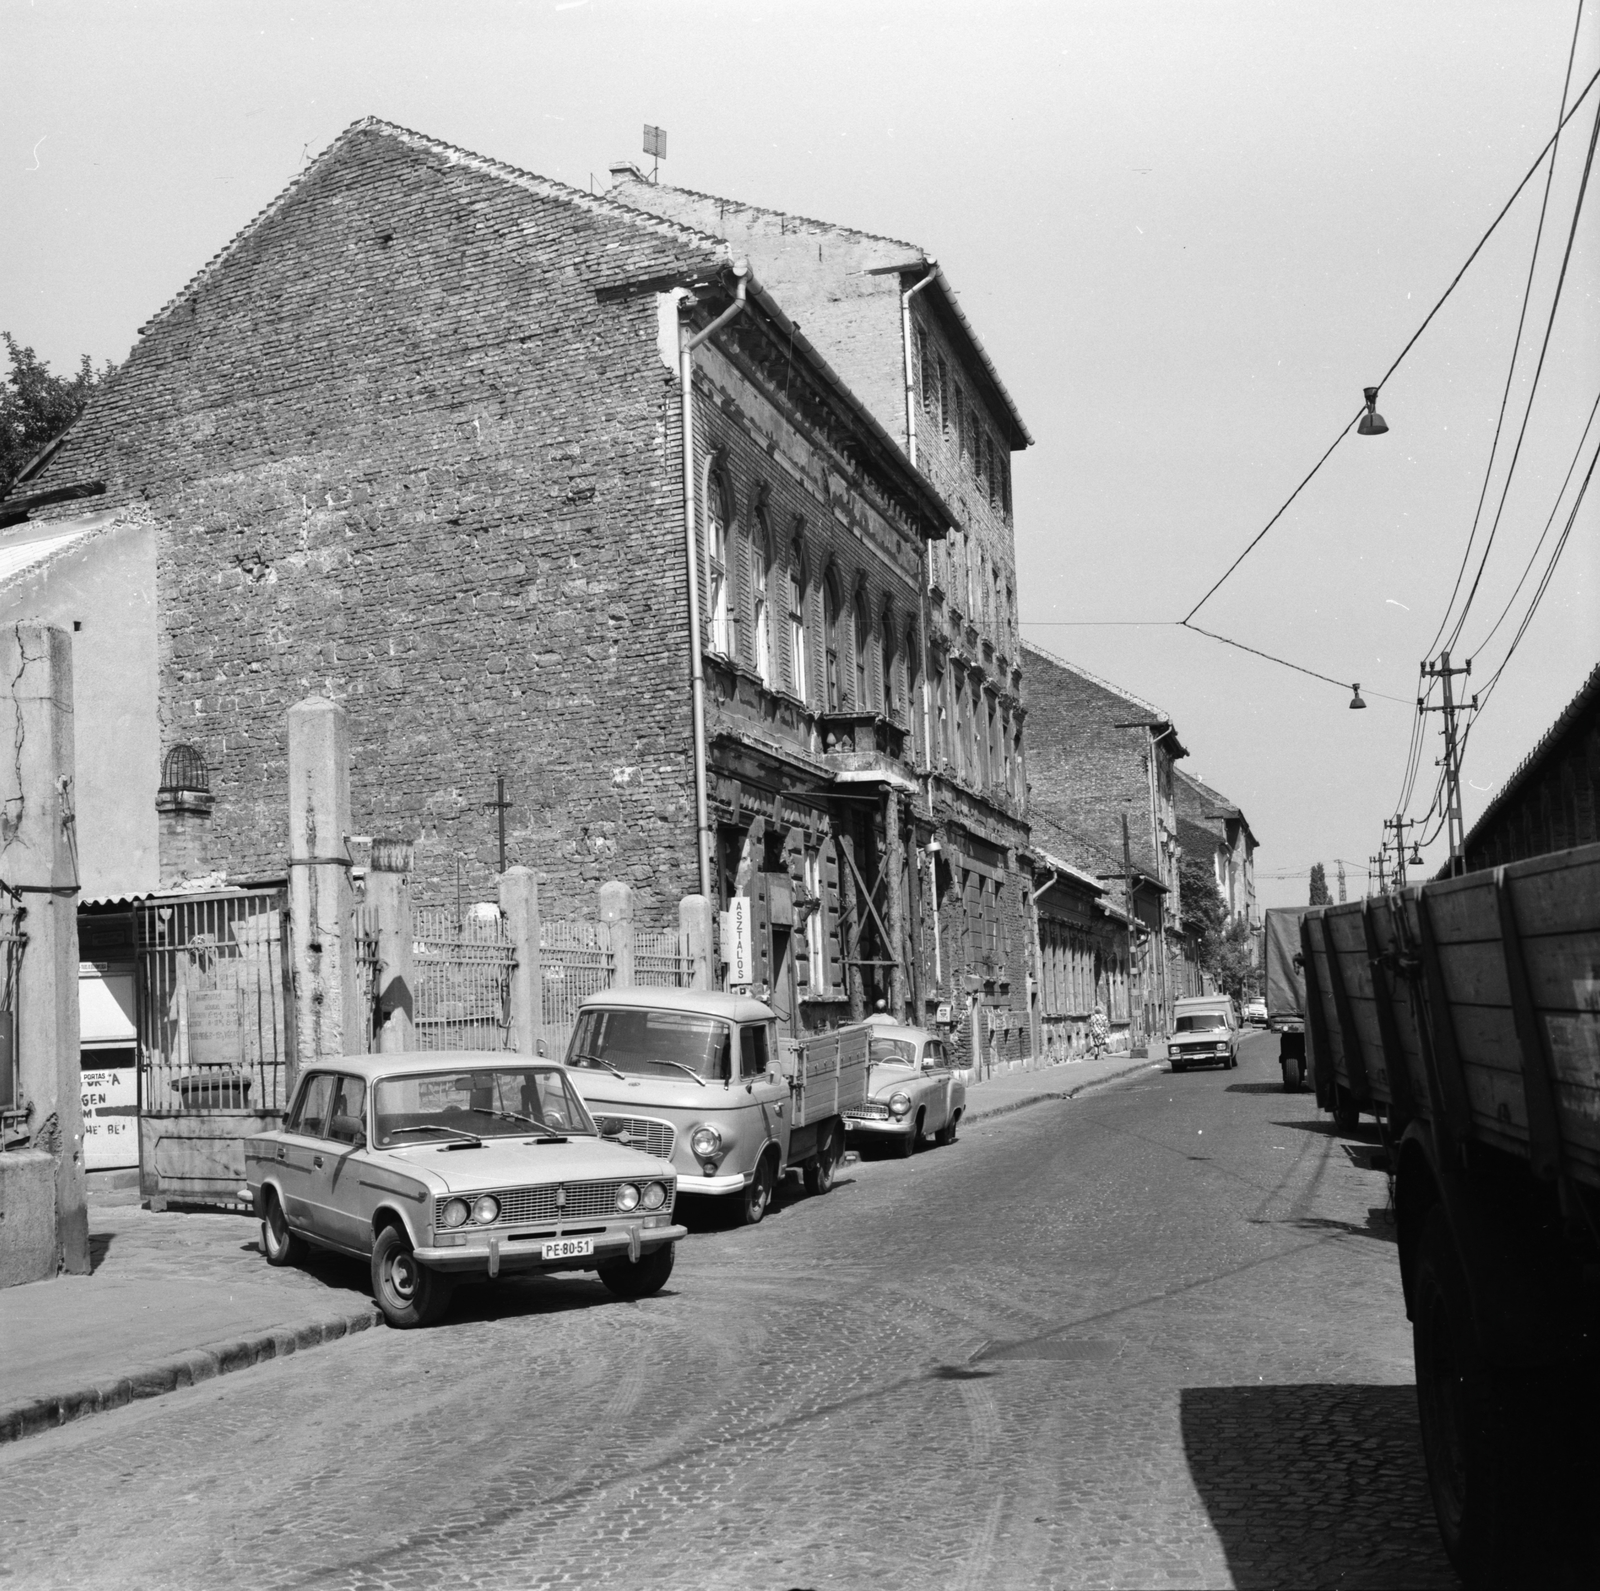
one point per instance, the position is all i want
(701, 1078)
(1255, 1012)
(446, 1166)
(912, 1090)
(1205, 1032)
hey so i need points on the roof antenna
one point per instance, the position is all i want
(655, 145)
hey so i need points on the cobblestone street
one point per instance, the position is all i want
(1153, 1336)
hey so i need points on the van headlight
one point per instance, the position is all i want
(654, 1196)
(627, 1197)
(486, 1210)
(899, 1105)
(705, 1142)
(455, 1213)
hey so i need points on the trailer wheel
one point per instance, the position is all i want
(1479, 1430)
(1346, 1113)
(1291, 1073)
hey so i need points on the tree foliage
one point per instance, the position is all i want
(1234, 965)
(1319, 886)
(1224, 949)
(36, 406)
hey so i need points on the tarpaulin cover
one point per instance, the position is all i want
(1286, 984)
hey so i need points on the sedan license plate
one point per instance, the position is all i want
(568, 1248)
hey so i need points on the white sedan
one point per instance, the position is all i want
(912, 1090)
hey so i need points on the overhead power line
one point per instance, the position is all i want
(1410, 344)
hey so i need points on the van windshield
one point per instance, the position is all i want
(1201, 1022)
(651, 1043)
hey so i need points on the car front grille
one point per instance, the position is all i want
(872, 1110)
(581, 1201)
(640, 1132)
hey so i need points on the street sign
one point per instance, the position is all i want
(739, 942)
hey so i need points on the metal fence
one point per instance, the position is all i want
(211, 1002)
(575, 961)
(462, 999)
(367, 968)
(661, 960)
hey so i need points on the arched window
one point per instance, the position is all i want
(863, 652)
(830, 636)
(942, 727)
(718, 616)
(799, 675)
(761, 629)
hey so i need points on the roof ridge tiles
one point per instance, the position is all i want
(1104, 684)
(553, 187)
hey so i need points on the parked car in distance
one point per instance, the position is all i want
(1205, 1032)
(1255, 1012)
(912, 1090)
(701, 1078)
(436, 1167)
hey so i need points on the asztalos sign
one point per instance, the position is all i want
(739, 942)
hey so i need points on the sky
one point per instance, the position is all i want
(1188, 234)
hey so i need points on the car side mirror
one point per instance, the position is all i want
(348, 1129)
(929, 1064)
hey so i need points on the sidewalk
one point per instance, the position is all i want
(998, 1096)
(173, 1299)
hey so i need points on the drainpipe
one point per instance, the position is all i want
(697, 680)
(911, 454)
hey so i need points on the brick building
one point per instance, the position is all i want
(884, 315)
(1082, 940)
(415, 440)
(1101, 767)
(1211, 825)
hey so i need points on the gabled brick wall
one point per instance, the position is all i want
(398, 452)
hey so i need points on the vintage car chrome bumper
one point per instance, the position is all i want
(726, 1182)
(499, 1253)
(889, 1127)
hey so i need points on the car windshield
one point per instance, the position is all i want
(1202, 1022)
(651, 1043)
(488, 1102)
(893, 1052)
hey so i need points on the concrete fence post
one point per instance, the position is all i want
(389, 894)
(519, 906)
(39, 859)
(616, 913)
(694, 930)
(321, 935)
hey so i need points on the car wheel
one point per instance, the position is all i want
(946, 1135)
(908, 1145)
(1177, 1066)
(819, 1169)
(408, 1293)
(278, 1243)
(641, 1277)
(758, 1195)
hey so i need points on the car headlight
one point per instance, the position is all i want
(654, 1196)
(486, 1210)
(627, 1197)
(455, 1213)
(705, 1142)
(899, 1105)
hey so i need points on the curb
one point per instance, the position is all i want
(1060, 1093)
(198, 1364)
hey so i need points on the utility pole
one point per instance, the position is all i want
(1341, 882)
(1399, 824)
(499, 807)
(1452, 754)
(1378, 862)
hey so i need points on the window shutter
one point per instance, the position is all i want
(833, 929)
